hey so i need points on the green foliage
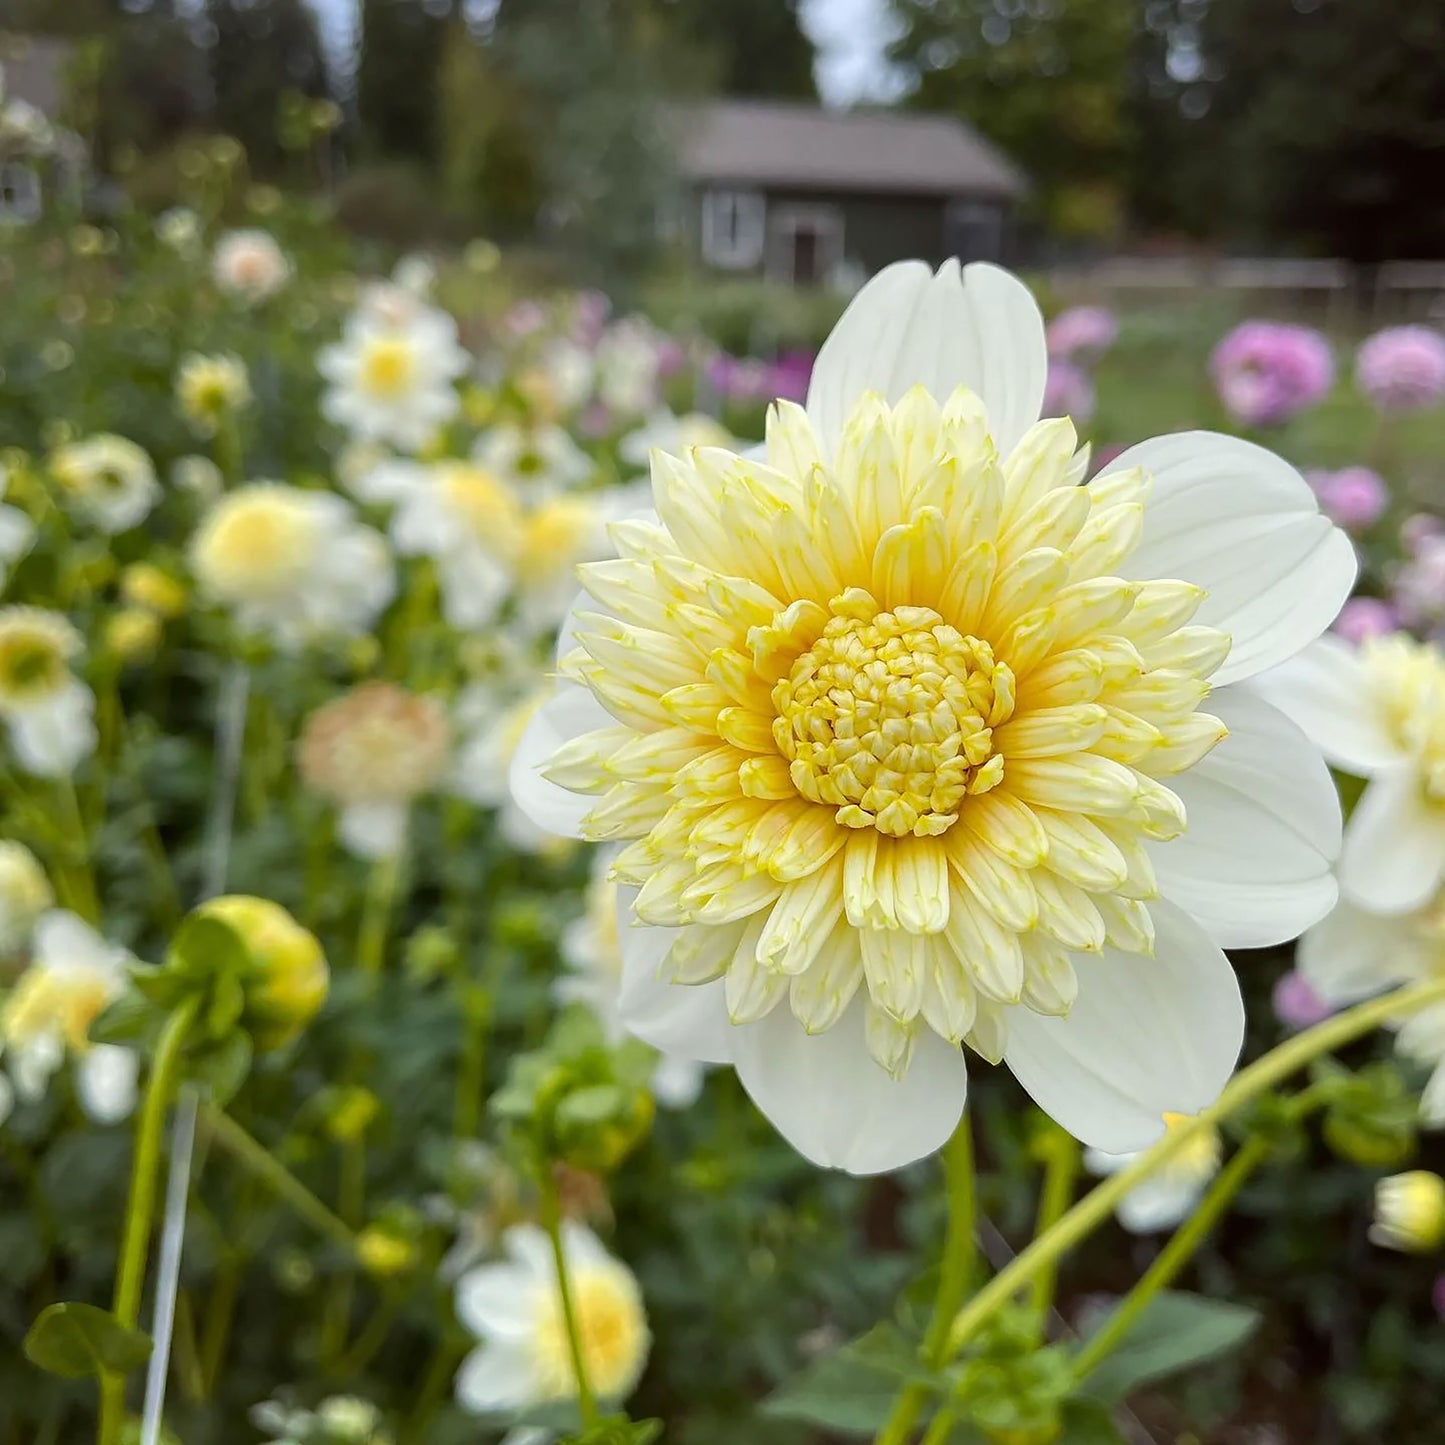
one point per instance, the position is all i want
(852, 1390)
(1176, 1332)
(1049, 83)
(79, 1340)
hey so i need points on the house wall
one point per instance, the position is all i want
(879, 229)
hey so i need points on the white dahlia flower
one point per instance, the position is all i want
(902, 729)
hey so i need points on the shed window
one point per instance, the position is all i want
(19, 192)
(732, 229)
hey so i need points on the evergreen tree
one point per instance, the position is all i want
(756, 47)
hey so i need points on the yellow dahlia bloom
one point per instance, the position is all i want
(911, 740)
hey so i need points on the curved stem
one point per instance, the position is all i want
(1061, 1171)
(282, 1182)
(1098, 1204)
(954, 1271)
(941, 1427)
(552, 1223)
(1173, 1257)
(140, 1208)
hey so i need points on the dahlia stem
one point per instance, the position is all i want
(1099, 1203)
(1173, 1257)
(953, 1275)
(1186, 1240)
(255, 1157)
(552, 1222)
(1061, 1172)
(381, 890)
(80, 875)
(140, 1207)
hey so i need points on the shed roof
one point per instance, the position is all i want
(773, 143)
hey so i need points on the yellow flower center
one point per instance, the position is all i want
(888, 717)
(613, 1332)
(554, 535)
(30, 667)
(388, 366)
(49, 1001)
(256, 544)
(480, 505)
(1407, 682)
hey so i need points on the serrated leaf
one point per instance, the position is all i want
(1175, 1332)
(76, 1340)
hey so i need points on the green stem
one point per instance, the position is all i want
(552, 1222)
(1099, 1203)
(254, 1156)
(351, 1203)
(381, 890)
(1061, 1172)
(220, 1312)
(82, 881)
(1174, 1256)
(140, 1208)
(941, 1427)
(444, 1362)
(954, 1270)
(229, 456)
(472, 1065)
(371, 1339)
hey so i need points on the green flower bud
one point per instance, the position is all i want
(285, 977)
(1374, 1119)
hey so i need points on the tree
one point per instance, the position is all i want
(260, 50)
(756, 47)
(1047, 81)
(397, 71)
(1304, 123)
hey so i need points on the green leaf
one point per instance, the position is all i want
(126, 1021)
(76, 1340)
(853, 1390)
(227, 1000)
(1176, 1332)
(225, 1067)
(1088, 1422)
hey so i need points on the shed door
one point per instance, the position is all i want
(805, 244)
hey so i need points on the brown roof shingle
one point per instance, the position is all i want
(772, 143)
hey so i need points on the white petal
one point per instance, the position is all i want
(1395, 846)
(569, 713)
(1146, 1037)
(498, 1301)
(1326, 691)
(677, 1082)
(1353, 954)
(1158, 1203)
(825, 1095)
(106, 1082)
(496, 1377)
(1254, 864)
(688, 1020)
(978, 328)
(1243, 524)
(53, 737)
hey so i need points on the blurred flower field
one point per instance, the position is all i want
(289, 529)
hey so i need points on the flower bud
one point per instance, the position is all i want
(1410, 1212)
(286, 976)
(1374, 1120)
(133, 634)
(383, 1253)
(143, 584)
